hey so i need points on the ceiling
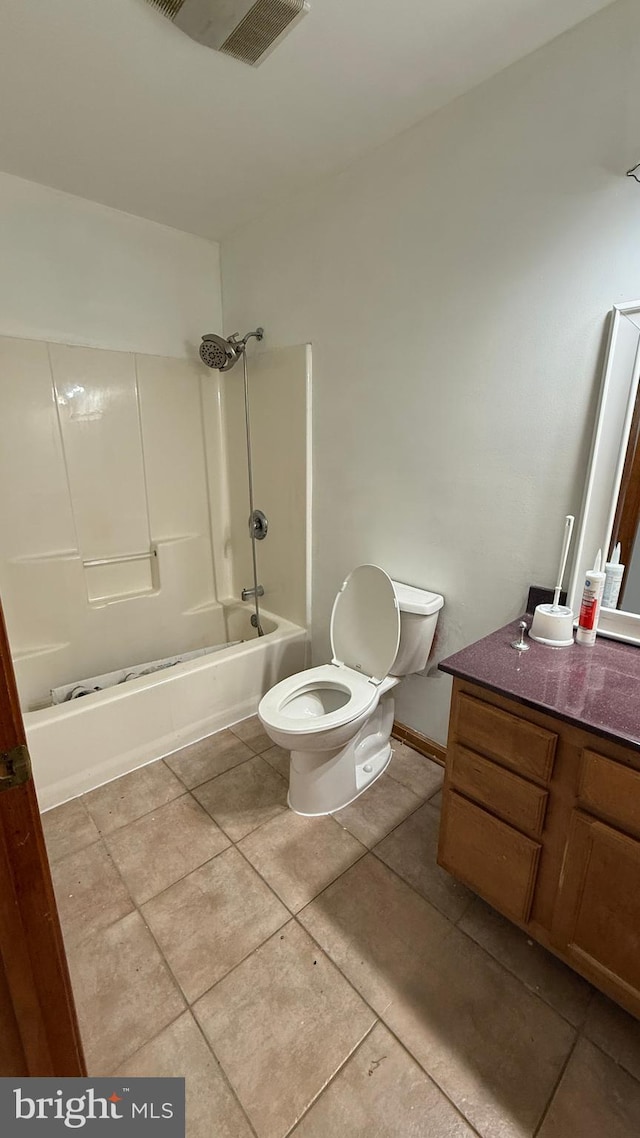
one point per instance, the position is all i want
(108, 100)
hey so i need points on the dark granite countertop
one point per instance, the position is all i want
(596, 687)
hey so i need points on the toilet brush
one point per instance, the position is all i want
(553, 624)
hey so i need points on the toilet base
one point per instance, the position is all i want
(321, 782)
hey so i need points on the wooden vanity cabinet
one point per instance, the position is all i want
(542, 820)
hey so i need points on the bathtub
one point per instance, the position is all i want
(79, 745)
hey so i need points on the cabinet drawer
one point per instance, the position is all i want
(610, 790)
(518, 802)
(523, 746)
(489, 856)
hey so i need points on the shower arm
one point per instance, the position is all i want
(257, 335)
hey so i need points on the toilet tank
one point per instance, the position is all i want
(418, 618)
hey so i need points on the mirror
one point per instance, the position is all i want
(611, 506)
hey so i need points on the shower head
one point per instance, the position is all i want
(218, 353)
(221, 354)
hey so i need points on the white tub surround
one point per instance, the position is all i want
(106, 555)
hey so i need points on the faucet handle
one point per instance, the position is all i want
(521, 644)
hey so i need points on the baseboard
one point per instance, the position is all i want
(419, 742)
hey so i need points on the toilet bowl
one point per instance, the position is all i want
(336, 719)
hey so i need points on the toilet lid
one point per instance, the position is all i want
(365, 622)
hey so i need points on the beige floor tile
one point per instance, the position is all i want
(378, 810)
(375, 928)
(300, 856)
(123, 991)
(127, 798)
(281, 1024)
(68, 828)
(209, 921)
(412, 850)
(596, 1099)
(382, 1092)
(244, 798)
(615, 1031)
(209, 757)
(415, 771)
(163, 846)
(436, 801)
(253, 734)
(494, 1048)
(279, 759)
(538, 969)
(180, 1050)
(89, 892)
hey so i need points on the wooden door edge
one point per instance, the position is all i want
(32, 951)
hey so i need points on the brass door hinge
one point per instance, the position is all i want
(15, 767)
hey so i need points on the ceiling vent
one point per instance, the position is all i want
(246, 29)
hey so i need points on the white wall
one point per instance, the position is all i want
(79, 273)
(454, 285)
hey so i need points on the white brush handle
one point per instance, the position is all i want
(566, 542)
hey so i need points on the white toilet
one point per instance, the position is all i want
(336, 719)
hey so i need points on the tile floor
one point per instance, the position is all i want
(320, 977)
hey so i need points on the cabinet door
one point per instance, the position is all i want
(597, 913)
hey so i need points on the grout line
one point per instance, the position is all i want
(432, 1079)
(104, 834)
(423, 802)
(211, 778)
(165, 889)
(294, 912)
(201, 995)
(399, 783)
(332, 1078)
(188, 1011)
(260, 825)
(556, 1087)
(136, 910)
(579, 1027)
(276, 932)
(151, 1039)
(236, 766)
(222, 1071)
(54, 861)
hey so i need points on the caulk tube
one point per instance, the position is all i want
(591, 601)
(614, 573)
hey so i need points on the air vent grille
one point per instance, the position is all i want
(169, 8)
(262, 25)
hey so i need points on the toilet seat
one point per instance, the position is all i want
(295, 705)
(365, 632)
